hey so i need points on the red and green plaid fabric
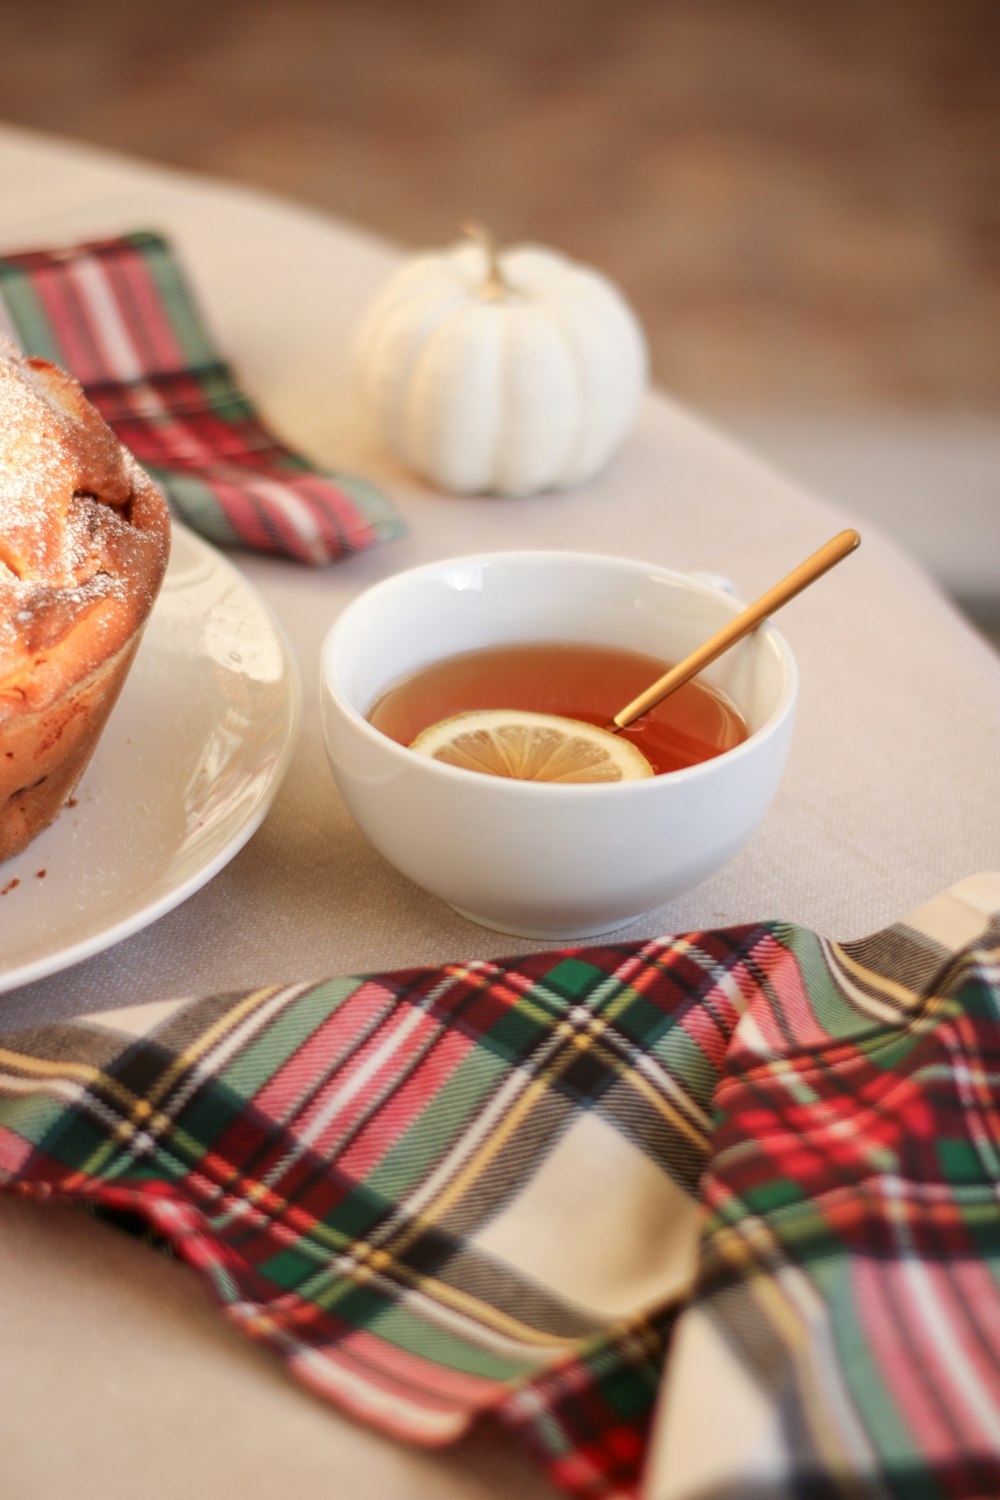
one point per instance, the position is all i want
(750, 1175)
(120, 316)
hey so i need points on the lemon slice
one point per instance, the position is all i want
(531, 747)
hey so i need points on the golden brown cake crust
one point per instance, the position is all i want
(84, 542)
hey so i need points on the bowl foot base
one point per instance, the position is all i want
(546, 934)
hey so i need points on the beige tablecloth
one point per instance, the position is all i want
(891, 795)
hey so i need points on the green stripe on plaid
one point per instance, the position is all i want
(27, 320)
(194, 501)
(120, 315)
(761, 1162)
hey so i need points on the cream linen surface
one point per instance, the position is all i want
(891, 795)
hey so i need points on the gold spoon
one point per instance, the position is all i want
(748, 619)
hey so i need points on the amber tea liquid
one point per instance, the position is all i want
(571, 678)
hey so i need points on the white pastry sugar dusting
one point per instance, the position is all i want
(67, 485)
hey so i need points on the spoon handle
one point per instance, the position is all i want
(748, 619)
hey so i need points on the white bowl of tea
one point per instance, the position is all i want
(577, 636)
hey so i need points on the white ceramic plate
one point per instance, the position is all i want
(185, 771)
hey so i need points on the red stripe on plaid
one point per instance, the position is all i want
(956, 1412)
(380, 1063)
(258, 524)
(711, 1024)
(323, 1049)
(454, 1386)
(57, 296)
(101, 314)
(326, 501)
(407, 1102)
(131, 278)
(14, 1151)
(361, 1394)
(289, 508)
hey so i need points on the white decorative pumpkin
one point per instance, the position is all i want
(503, 373)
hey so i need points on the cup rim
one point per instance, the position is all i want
(565, 791)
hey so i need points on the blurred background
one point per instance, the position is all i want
(802, 201)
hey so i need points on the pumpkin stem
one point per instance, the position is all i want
(494, 288)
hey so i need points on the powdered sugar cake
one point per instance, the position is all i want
(84, 543)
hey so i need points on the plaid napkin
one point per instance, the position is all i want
(750, 1172)
(120, 316)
